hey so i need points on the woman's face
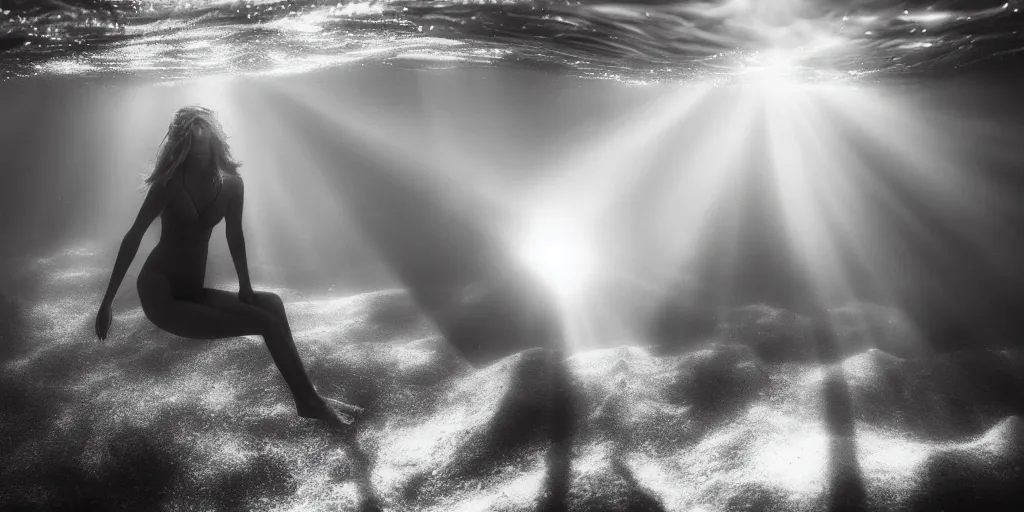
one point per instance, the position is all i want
(201, 134)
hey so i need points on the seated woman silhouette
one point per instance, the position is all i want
(194, 185)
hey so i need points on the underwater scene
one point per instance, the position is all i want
(512, 255)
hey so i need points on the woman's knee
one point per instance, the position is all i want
(269, 300)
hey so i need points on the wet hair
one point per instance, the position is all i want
(178, 142)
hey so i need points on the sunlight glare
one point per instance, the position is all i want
(775, 72)
(557, 251)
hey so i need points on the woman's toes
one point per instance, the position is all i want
(343, 406)
(336, 418)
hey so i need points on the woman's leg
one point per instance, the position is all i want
(280, 342)
(221, 315)
(286, 356)
(272, 302)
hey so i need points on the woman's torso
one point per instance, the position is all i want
(196, 204)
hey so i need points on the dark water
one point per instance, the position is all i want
(630, 41)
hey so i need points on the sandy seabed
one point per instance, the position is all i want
(150, 421)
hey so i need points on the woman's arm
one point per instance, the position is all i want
(154, 203)
(233, 231)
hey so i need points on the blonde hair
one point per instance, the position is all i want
(178, 142)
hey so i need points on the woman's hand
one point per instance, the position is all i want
(103, 320)
(247, 296)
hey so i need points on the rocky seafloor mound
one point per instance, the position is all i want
(148, 421)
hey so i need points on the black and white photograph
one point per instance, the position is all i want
(512, 255)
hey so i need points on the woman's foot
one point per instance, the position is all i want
(334, 412)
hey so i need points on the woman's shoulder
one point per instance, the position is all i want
(233, 183)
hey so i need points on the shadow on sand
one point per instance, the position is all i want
(846, 484)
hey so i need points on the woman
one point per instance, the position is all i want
(194, 185)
